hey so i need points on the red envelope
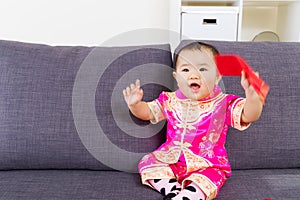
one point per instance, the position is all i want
(233, 65)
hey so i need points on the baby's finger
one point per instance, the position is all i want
(244, 81)
(138, 83)
(127, 90)
(125, 93)
(243, 75)
(132, 86)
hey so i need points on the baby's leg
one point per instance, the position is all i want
(205, 184)
(191, 192)
(167, 187)
(158, 175)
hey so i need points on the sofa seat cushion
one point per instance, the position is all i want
(113, 185)
(262, 184)
(72, 184)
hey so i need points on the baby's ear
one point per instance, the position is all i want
(174, 74)
(219, 77)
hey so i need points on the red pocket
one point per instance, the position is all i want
(233, 65)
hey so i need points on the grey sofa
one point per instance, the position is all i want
(66, 133)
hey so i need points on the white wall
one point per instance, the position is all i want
(78, 22)
(288, 23)
(258, 19)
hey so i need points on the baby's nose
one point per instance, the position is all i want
(195, 76)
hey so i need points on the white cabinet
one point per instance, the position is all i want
(209, 23)
(203, 19)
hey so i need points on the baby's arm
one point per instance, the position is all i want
(133, 96)
(253, 106)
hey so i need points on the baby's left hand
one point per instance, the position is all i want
(253, 106)
(249, 90)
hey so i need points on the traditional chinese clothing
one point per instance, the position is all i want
(196, 134)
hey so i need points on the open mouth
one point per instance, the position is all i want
(195, 87)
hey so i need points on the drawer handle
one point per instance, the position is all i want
(209, 21)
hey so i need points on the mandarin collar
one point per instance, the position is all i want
(217, 90)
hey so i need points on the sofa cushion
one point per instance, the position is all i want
(262, 184)
(113, 185)
(72, 184)
(273, 141)
(61, 107)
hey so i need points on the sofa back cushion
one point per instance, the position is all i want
(62, 107)
(273, 141)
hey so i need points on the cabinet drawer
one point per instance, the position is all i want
(210, 24)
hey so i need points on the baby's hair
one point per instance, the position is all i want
(193, 45)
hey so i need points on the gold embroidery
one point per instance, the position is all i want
(156, 110)
(187, 111)
(214, 137)
(194, 162)
(236, 114)
(223, 160)
(156, 173)
(170, 156)
(182, 145)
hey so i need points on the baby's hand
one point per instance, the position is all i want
(253, 105)
(133, 94)
(249, 90)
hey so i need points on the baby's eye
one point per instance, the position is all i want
(202, 69)
(185, 70)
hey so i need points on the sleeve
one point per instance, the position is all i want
(156, 108)
(234, 113)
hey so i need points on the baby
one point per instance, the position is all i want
(193, 163)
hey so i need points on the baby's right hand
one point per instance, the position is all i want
(133, 94)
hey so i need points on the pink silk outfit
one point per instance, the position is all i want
(196, 133)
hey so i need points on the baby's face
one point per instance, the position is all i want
(196, 73)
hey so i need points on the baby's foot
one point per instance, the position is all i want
(169, 196)
(167, 187)
(191, 192)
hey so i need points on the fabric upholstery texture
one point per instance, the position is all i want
(277, 184)
(38, 102)
(272, 141)
(262, 184)
(66, 133)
